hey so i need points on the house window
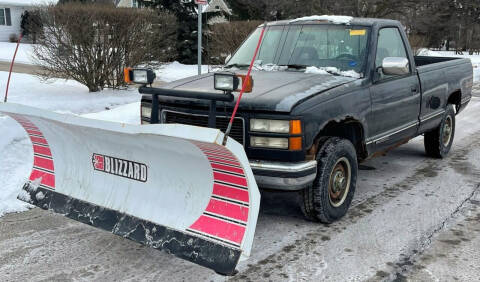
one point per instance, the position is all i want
(2, 17)
(5, 16)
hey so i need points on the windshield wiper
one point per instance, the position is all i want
(295, 66)
(237, 66)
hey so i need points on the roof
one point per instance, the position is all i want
(336, 20)
(27, 3)
(216, 6)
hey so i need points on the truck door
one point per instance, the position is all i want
(395, 98)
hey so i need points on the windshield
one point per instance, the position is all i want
(299, 46)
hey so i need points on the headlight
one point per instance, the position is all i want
(267, 142)
(146, 112)
(139, 76)
(226, 81)
(267, 125)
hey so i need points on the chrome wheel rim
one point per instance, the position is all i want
(339, 183)
(447, 131)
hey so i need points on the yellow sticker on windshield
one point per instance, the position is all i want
(358, 32)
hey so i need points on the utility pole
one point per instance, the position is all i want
(200, 3)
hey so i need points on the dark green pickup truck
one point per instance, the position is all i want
(328, 93)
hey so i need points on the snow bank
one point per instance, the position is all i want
(129, 113)
(474, 58)
(175, 71)
(27, 3)
(329, 18)
(330, 70)
(24, 54)
(167, 73)
(61, 96)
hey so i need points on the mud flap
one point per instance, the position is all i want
(170, 187)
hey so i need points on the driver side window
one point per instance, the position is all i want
(390, 44)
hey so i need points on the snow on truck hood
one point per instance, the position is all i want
(272, 91)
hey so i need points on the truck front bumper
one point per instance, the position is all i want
(284, 176)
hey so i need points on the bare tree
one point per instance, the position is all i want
(92, 43)
(225, 38)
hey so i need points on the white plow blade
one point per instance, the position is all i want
(171, 187)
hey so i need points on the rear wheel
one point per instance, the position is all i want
(331, 194)
(438, 142)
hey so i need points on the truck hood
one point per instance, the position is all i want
(273, 90)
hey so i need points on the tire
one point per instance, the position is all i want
(322, 201)
(438, 142)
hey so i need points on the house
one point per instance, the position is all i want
(216, 11)
(127, 4)
(11, 15)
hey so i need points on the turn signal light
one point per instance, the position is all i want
(295, 127)
(249, 86)
(127, 75)
(295, 144)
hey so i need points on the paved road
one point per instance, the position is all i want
(20, 68)
(412, 217)
(35, 70)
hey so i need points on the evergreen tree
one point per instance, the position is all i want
(187, 18)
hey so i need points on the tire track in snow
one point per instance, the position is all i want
(429, 168)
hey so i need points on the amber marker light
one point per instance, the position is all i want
(295, 144)
(127, 75)
(295, 127)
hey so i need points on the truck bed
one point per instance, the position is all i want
(427, 60)
(456, 67)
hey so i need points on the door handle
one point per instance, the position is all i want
(414, 89)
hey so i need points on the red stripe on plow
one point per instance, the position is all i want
(223, 161)
(42, 150)
(227, 178)
(34, 132)
(39, 140)
(219, 228)
(27, 124)
(228, 210)
(228, 168)
(48, 179)
(230, 193)
(43, 163)
(223, 156)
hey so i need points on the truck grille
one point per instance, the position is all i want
(238, 126)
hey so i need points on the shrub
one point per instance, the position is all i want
(225, 38)
(13, 38)
(92, 43)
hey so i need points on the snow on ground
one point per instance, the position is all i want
(129, 113)
(62, 95)
(474, 58)
(24, 54)
(175, 71)
(16, 155)
(166, 73)
(27, 3)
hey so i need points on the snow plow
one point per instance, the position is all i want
(171, 187)
(184, 189)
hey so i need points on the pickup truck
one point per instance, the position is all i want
(328, 93)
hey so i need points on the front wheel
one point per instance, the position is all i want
(331, 193)
(438, 142)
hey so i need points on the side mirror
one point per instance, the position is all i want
(395, 66)
(228, 58)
